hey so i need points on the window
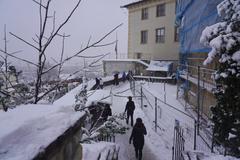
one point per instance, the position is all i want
(160, 35)
(138, 55)
(160, 10)
(144, 37)
(144, 13)
(176, 35)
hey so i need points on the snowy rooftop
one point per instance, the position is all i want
(159, 66)
(126, 60)
(67, 76)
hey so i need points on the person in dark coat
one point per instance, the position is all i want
(106, 112)
(130, 107)
(116, 81)
(124, 77)
(137, 136)
(97, 82)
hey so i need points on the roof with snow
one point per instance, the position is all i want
(67, 76)
(126, 60)
(134, 3)
(159, 66)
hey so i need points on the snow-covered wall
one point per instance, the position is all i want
(66, 146)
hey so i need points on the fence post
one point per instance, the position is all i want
(198, 99)
(141, 97)
(187, 89)
(212, 147)
(174, 143)
(134, 87)
(164, 87)
(195, 135)
(156, 114)
(177, 77)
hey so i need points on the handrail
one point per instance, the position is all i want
(190, 66)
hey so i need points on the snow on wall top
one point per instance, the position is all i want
(159, 66)
(126, 60)
(28, 129)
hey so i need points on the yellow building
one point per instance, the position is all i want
(152, 34)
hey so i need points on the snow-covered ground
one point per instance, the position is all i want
(158, 145)
(28, 129)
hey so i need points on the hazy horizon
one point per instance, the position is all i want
(92, 18)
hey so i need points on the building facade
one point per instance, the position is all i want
(152, 33)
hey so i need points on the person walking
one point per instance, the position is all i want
(130, 107)
(137, 136)
(101, 83)
(97, 82)
(124, 77)
(116, 81)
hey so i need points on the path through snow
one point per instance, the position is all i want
(127, 150)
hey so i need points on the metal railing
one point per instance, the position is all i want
(111, 155)
(198, 83)
(198, 135)
(178, 143)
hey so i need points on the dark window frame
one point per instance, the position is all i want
(144, 37)
(144, 13)
(160, 35)
(161, 10)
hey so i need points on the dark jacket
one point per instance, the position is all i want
(106, 112)
(137, 135)
(130, 107)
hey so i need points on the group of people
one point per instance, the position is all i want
(124, 77)
(138, 131)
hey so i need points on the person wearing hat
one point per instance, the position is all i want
(130, 107)
(137, 136)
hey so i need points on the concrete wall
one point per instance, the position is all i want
(111, 66)
(66, 146)
(152, 50)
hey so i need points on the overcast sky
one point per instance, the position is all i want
(93, 18)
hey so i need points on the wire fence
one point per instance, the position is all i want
(197, 85)
(196, 131)
(163, 115)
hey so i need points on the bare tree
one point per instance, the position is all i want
(43, 40)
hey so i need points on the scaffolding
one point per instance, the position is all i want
(192, 16)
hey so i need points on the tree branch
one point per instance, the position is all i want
(39, 3)
(84, 49)
(9, 54)
(24, 41)
(106, 44)
(60, 27)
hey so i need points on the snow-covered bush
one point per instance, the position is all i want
(224, 39)
(109, 128)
